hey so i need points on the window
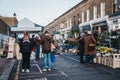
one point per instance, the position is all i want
(95, 12)
(102, 9)
(115, 5)
(88, 15)
(67, 23)
(78, 18)
(115, 1)
(74, 19)
(82, 17)
(70, 22)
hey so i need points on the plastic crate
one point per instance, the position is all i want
(98, 58)
(103, 59)
(114, 61)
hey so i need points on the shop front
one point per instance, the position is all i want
(114, 29)
(100, 27)
(65, 33)
(114, 23)
(86, 28)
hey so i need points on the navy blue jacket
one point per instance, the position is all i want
(26, 46)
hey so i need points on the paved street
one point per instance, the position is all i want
(67, 67)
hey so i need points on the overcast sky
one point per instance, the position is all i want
(39, 11)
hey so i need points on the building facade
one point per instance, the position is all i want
(88, 14)
(5, 23)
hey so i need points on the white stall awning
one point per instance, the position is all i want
(26, 25)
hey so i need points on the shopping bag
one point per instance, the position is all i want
(55, 51)
(52, 47)
(53, 58)
(32, 56)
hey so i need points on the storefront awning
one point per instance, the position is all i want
(100, 24)
(86, 28)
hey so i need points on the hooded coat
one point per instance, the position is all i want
(87, 39)
(46, 41)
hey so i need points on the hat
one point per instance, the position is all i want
(88, 32)
(82, 34)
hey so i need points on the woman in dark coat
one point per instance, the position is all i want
(81, 46)
(89, 53)
(46, 41)
(26, 46)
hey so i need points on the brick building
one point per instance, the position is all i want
(88, 14)
(5, 23)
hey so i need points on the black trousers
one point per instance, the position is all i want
(26, 60)
(81, 57)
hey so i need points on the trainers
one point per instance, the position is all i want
(49, 69)
(44, 69)
(27, 70)
(23, 70)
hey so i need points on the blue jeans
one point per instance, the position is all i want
(47, 61)
(37, 51)
(89, 59)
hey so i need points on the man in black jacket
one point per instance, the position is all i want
(81, 47)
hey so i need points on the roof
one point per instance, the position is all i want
(10, 21)
(26, 25)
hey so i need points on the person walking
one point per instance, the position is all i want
(26, 48)
(37, 40)
(81, 47)
(89, 47)
(46, 41)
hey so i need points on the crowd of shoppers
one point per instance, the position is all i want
(28, 45)
(86, 47)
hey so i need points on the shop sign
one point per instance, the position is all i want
(85, 28)
(115, 21)
(100, 24)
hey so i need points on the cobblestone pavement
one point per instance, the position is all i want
(67, 67)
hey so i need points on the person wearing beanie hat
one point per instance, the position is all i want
(81, 47)
(88, 32)
(88, 51)
(82, 34)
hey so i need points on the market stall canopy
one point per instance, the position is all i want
(86, 28)
(26, 25)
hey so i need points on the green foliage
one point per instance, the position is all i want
(73, 42)
(75, 29)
